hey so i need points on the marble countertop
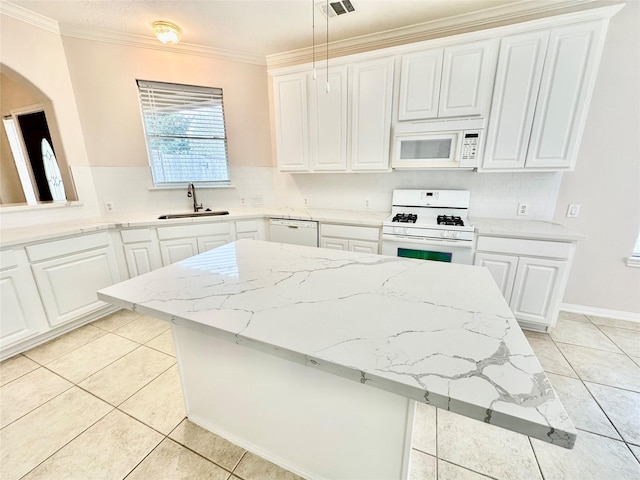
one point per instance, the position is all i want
(435, 332)
(484, 226)
(40, 233)
(534, 229)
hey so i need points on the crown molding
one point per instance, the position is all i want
(27, 16)
(132, 40)
(465, 23)
(109, 36)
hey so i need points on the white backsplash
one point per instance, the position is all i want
(492, 194)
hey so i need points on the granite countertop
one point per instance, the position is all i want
(401, 325)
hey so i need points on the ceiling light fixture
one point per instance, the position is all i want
(167, 32)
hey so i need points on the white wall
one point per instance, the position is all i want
(606, 181)
(114, 167)
(38, 55)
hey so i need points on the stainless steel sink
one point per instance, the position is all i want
(193, 215)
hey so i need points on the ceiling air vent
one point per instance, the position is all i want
(341, 7)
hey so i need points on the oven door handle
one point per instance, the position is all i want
(426, 241)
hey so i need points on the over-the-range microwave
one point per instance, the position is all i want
(438, 144)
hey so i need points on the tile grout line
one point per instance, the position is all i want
(533, 450)
(589, 391)
(614, 342)
(71, 440)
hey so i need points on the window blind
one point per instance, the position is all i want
(185, 133)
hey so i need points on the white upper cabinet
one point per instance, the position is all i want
(455, 81)
(514, 99)
(565, 92)
(371, 99)
(420, 74)
(328, 120)
(467, 79)
(292, 122)
(544, 83)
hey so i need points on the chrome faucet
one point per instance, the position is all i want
(191, 192)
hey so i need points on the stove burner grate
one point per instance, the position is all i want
(450, 220)
(405, 218)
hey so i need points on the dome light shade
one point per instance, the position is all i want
(167, 32)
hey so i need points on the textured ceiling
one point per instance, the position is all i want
(261, 27)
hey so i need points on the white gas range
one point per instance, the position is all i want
(429, 225)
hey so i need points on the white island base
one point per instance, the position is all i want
(313, 423)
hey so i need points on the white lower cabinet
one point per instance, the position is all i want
(253, 229)
(184, 241)
(21, 313)
(351, 238)
(69, 272)
(141, 250)
(531, 275)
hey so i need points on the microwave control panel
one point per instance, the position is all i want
(470, 145)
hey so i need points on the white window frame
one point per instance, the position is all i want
(160, 97)
(634, 259)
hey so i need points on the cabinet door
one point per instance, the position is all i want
(467, 79)
(514, 99)
(502, 269)
(68, 284)
(420, 76)
(292, 126)
(536, 290)
(334, 243)
(363, 246)
(371, 88)
(173, 251)
(21, 312)
(141, 258)
(565, 92)
(329, 120)
(212, 241)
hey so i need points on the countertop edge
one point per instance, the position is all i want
(562, 438)
(532, 229)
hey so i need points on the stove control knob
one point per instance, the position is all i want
(399, 230)
(450, 234)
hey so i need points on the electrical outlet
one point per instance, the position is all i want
(110, 207)
(573, 210)
(366, 203)
(306, 202)
(243, 202)
(257, 200)
(523, 209)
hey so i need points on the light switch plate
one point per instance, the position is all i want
(573, 210)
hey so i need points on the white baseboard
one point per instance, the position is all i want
(600, 312)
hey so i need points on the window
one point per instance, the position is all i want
(634, 259)
(184, 128)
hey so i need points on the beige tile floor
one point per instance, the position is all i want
(104, 402)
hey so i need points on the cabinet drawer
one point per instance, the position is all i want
(67, 246)
(524, 246)
(166, 233)
(137, 235)
(244, 226)
(349, 231)
(8, 259)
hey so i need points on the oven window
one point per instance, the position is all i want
(425, 255)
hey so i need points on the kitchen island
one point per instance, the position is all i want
(314, 358)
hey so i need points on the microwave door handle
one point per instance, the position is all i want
(424, 241)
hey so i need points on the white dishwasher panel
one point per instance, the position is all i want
(297, 232)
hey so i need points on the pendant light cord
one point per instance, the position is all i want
(328, 87)
(313, 37)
